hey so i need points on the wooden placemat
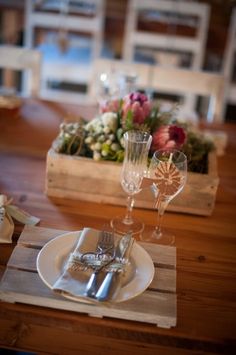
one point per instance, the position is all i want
(22, 284)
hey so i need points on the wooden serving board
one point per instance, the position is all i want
(21, 283)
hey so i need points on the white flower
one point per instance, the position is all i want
(115, 147)
(101, 138)
(109, 119)
(97, 146)
(106, 130)
(104, 153)
(99, 129)
(96, 156)
(67, 135)
(108, 142)
(93, 125)
(88, 140)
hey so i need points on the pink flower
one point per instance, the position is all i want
(110, 106)
(168, 137)
(139, 105)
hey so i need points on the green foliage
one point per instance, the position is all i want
(196, 149)
(129, 121)
(102, 138)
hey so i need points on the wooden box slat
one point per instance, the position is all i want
(86, 179)
(21, 283)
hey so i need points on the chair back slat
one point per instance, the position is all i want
(26, 60)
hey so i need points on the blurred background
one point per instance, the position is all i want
(85, 31)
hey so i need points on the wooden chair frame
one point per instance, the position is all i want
(185, 81)
(77, 23)
(22, 59)
(172, 45)
(228, 64)
(135, 37)
(167, 80)
(73, 73)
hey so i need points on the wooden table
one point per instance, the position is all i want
(206, 250)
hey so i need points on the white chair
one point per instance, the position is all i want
(167, 48)
(190, 15)
(200, 83)
(21, 59)
(74, 38)
(229, 63)
(166, 80)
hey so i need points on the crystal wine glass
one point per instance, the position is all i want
(137, 145)
(168, 171)
(107, 87)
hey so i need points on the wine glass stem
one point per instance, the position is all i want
(161, 206)
(130, 203)
(159, 224)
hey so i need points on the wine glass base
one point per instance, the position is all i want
(163, 238)
(119, 226)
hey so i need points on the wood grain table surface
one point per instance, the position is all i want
(206, 254)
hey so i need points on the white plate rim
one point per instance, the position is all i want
(144, 266)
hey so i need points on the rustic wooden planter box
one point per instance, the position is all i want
(85, 179)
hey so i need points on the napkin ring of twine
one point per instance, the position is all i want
(9, 211)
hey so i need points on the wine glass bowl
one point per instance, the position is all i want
(137, 145)
(168, 171)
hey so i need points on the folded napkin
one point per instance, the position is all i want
(7, 211)
(75, 277)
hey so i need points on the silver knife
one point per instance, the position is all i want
(112, 283)
(105, 248)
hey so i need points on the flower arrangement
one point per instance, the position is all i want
(102, 137)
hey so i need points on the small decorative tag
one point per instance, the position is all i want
(168, 179)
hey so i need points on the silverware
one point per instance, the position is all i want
(104, 255)
(112, 281)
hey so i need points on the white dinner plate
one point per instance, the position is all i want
(53, 256)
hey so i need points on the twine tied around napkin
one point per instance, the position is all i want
(7, 211)
(71, 282)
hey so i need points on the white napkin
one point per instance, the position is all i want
(7, 211)
(73, 280)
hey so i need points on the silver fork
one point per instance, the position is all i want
(104, 256)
